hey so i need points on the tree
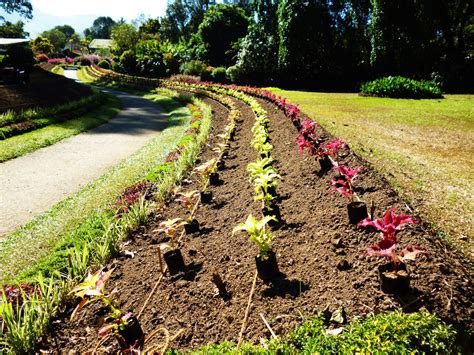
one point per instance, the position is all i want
(13, 30)
(101, 28)
(174, 23)
(150, 29)
(125, 37)
(41, 45)
(67, 30)
(57, 39)
(305, 39)
(222, 27)
(22, 7)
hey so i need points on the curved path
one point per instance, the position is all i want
(33, 183)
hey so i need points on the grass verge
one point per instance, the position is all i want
(19, 145)
(423, 147)
(34, 241)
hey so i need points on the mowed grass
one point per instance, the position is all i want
(425, 148)
(19, 145)
(32, 242)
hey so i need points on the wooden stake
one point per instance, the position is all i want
(247, 311)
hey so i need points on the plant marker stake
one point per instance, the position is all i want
(372, 210)
(247, 311)
(268, 326)
(160, 261)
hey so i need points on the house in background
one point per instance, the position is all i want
(101, 46)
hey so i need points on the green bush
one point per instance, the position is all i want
(219, 75)
(401, 87)
(386, 333)
(104, 64)
(128, 62)
(193, 67)
(234, 73)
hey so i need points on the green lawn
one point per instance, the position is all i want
(424, 147)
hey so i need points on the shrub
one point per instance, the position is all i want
(401, 87)
(21, 56)
(42, 58)
(128, 62)
(219, 75)
(104, 64)
(193, 67)
(234, 74)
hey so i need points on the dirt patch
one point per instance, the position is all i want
(43, 90)
(313, 241)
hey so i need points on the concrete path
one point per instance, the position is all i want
(32, 184)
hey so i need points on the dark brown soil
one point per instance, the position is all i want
(320, 254)
(43, 90)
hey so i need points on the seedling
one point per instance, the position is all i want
(205, 170)
(188, 200)
(344, 183)
(260, 166)
(170, 226)
(265, 187)
(257, 233)
(386, 248)
(333, 148)
(93, 289)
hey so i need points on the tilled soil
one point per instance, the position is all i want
(320, 254)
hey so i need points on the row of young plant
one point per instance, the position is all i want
(261, 173)
(208, 175)
(26, 309)
(124, 80)
(393, 276)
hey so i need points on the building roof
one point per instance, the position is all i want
(7, 41)
(100, 43)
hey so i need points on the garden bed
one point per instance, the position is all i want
(320, 254)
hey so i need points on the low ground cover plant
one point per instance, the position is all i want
(401, 87)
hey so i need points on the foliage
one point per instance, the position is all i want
(13, 30)
(305, 43)
(104, 64)
(19, 56)
(390, 225)
(128, 62)
(22, 7)
(41, 45)
(401, 87)
(57, 38)
(101, 28)
(221, 27)
(344, 183)
(125, 37)
(219, 75)
(193, 67)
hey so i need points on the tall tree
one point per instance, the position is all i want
(305, 39)
(125, 37)
(223, 25)
(101, 28)
(57, 39)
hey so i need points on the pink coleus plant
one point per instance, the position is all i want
(308, 137)
(344, 183)
(333, 147)
(389, 225)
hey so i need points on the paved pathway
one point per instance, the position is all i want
(33, 183)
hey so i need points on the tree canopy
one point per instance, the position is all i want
(22, 7)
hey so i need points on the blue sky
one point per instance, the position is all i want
(81, 13)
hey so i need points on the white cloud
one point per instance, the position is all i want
(115, 9)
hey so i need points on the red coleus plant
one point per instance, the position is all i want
(308, 137)
(389, 225)
(333, 147)
(116, 325)
(344, 182)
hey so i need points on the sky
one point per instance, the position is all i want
(81, 13)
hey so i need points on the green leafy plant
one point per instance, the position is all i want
(265, 181)
(401, 87)
(256, 231)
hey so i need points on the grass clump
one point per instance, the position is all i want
(401, 87)
(386, 333)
